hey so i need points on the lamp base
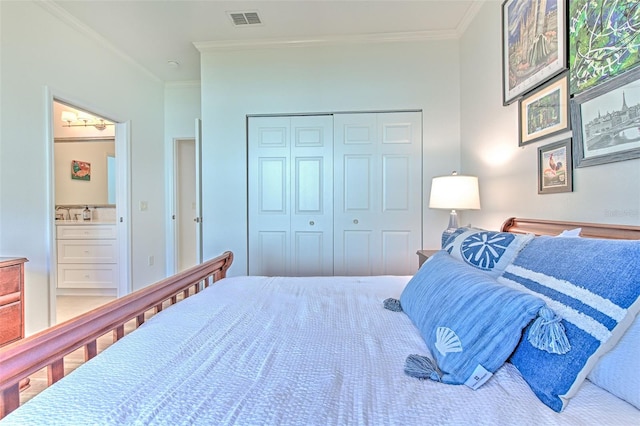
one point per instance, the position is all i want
(453, 220)
(453, 225)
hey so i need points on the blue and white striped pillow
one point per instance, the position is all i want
(594, 285)
(470, 323)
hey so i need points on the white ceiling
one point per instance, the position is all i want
(153, 32)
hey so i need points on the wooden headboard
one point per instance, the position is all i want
(589, 230)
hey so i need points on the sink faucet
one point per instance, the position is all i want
(68, 215)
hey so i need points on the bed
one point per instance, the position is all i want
(273, 350)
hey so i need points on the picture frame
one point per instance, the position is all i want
(532, 51)
(545, 112)
(606, 121)
(555, 169)
(605, 41)
(80, 170)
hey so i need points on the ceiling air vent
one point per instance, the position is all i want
(244, 18)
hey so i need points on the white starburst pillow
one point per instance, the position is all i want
(470, 323)
(488, 251)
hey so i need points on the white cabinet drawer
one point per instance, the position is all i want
(87, 276)
(85, 232)
(94, 251)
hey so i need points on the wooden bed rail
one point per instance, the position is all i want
(49, 347)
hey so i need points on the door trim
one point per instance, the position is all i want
(123, 192)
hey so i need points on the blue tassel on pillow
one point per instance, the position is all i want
(392, 305)
(547, 333)
(421, 367)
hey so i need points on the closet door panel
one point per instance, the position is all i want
(357, 249)
(291, 165)
(356, 193)
(269, 195)
(380, 196)
(271, 253)
(396, 183)
(312, 182)
(308, 259)
(395, 246)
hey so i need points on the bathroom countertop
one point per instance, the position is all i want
(84, 222)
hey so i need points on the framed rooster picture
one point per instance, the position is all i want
(80, 170)
(555, 168)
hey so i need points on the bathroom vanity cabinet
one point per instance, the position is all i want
(87, 257)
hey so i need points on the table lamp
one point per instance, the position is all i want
(454, 192)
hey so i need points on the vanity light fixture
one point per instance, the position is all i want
(74, 120)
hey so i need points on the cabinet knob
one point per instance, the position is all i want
(355, 221)
(312, 223)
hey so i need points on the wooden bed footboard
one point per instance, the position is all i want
(49, 347)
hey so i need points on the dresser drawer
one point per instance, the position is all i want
(87, 276)
(10, 279)
(85, 232)
(93, 251)
(10, 322)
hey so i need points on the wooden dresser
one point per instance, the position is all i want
(11, 299)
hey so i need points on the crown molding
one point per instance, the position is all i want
(57, 11)
(213, 46)
(469, 16)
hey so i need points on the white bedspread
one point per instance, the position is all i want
(292, 351)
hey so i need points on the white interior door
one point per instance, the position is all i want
(378, 202)
(290, 195)
(187, 204)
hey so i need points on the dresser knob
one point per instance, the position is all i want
(312, 223)
(355, 221)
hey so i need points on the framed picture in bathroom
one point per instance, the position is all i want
(80, 170)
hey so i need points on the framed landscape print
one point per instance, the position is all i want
(534, 44)
(545, 111)
(555, 171)
(606, 121)
(605, 40)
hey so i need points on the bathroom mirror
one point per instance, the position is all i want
(84, 171)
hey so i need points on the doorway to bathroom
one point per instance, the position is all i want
(89, 193)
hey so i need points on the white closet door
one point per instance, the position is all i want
(290, 196)
(312, 195)
(269, 206)
(378, 201)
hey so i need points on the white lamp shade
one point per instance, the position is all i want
(455, 192)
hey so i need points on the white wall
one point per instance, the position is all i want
(41, 52)
(351, 77)
(608, 193)
(181, 108)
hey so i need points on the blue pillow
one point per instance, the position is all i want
(488, 251)
(595, 286)
(470, 323)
